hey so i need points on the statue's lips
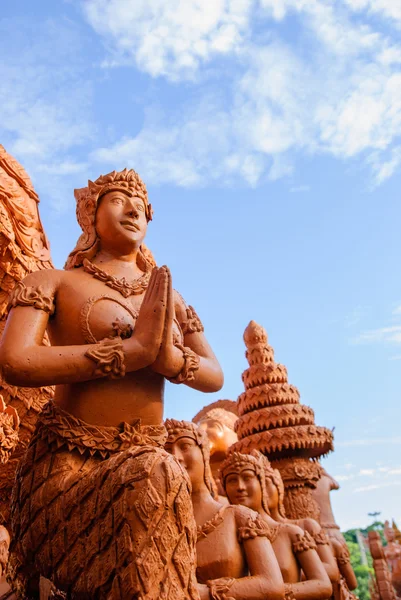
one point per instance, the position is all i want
(241, 497)
(130, 225)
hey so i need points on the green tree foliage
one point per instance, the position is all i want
(361, 571)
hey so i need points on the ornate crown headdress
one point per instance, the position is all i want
(178, 429)
(87, 202)
(221, 415)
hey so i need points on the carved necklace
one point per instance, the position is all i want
(124, 287)
(209, 526)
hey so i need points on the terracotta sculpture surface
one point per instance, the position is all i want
(218, 421)
(99, 507)
(383, 588)
(321, 495)
(272, 420)
(392, 553)
(9, 427)
(397, 532)
(249, 480)
(4, 546)
(235, 559)
(24, 249)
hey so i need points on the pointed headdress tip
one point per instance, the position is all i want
(255, 333)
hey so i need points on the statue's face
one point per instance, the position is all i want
(220, 437)
(243, 487)
(190, 456)
(390, 535)
(272, 494)
(121, 222)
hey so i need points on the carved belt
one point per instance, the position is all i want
(61, 427)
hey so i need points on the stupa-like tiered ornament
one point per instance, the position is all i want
(272, 420)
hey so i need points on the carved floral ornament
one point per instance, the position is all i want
(9, 426)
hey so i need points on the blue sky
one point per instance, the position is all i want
(268, 133)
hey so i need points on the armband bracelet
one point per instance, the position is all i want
(109, 357)
(321, 538)
(255, 528)
(190, 366)
(31, 296)
(219, 588)
(344, 558)
(303, 543)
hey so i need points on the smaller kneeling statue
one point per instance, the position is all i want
(235, 559)
(245, 478)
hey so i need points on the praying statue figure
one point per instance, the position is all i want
(99, 507)
(249, 480)
(235, 559)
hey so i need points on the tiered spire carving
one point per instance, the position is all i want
(271, 418)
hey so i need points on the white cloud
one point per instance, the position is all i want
(172, 38)
(344, 477)
(366, 472)
(387, 8)
(375, 486)
(390, 334)
(337, 91)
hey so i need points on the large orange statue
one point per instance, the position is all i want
(99, 507)
(247, 479)
(218, 421)
(235, 560)
(272, 420)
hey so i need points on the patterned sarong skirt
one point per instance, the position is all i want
(103, 512)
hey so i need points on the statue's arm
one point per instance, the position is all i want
(323, 548)
(317, 584)
(264, 580)
(344, 564)
(26, 362)
(209, 376)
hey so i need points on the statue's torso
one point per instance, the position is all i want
(88, 311)
(282, 546)
(220, 554)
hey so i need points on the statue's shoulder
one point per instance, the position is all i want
(49, 280)
(243, 514)
(294, 531)
(44, 276)
(311, 526)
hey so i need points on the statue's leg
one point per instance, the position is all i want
(120, 527)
